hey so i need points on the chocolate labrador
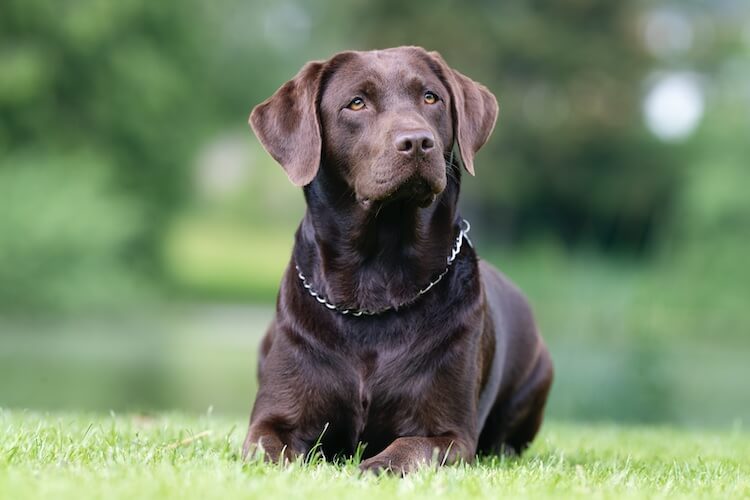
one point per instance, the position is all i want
(388, 330)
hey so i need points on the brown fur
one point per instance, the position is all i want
(461, 370)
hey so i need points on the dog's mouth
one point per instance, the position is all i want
(415, 190)
(419, 198)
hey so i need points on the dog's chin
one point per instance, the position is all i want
(421, 198)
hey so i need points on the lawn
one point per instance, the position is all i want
(75, 456)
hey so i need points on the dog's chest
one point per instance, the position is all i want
(394, 382)
(386, 399)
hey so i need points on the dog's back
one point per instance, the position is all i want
(512, 404)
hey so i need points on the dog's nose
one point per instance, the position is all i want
(414, 142)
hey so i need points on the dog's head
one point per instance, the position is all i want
(386, 120)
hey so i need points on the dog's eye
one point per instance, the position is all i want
(430, 98)
(356, 104)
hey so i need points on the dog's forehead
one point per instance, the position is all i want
(398, 60)
(398, 67)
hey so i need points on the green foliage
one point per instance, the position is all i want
(570, 156)
(64, 234)
(141, 86)
(225, 261)
(177, 456)
(120, 79)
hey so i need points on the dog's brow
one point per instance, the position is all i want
(415, 83)
(368, 87)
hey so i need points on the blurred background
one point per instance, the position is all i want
(143, 230)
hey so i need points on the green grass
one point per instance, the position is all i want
(74, 456)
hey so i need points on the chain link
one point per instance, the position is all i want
(463, 233)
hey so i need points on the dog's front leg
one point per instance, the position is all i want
(407, 454)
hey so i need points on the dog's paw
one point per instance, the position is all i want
(267, 449)
(379, 465)
(388, 464)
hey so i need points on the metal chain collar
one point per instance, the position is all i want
(462, 234)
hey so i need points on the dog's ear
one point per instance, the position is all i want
(474, 111)
(288, 126)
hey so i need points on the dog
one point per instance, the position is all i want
(389, 331)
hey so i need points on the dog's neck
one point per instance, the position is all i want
(377, 257)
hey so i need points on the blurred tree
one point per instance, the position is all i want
(133, 88)
(120, 80)
(63, 235)
(570, 156)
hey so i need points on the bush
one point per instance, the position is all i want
(64, 234)
(118, 78)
